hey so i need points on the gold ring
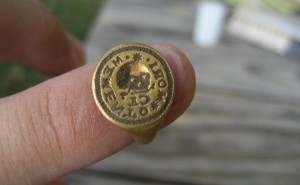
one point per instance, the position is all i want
(133, 87)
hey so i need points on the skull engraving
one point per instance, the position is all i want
(133, 82)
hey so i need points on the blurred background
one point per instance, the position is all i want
(243, 127)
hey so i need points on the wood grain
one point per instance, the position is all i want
(243, 126)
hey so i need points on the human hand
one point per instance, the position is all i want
(55, 128)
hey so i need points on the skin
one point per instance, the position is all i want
(54, 128)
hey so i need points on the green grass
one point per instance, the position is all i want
(76, 16)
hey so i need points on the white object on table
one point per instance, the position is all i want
(209, 23)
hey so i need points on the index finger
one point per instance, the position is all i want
(56, 127)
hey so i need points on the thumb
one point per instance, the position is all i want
(31, 35)
(55, 127)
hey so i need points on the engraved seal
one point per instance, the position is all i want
(133, 87)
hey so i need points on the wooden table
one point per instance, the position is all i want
(243, 126)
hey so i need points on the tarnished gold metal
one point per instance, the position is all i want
(133, 87)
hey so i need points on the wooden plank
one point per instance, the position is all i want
(243, 126)
(222, 144)
(207, 170)
(88, 177)
(233, 64)
(92, 177)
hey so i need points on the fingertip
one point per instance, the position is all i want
(185, 80)
(39, 41)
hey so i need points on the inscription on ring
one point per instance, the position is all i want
(134, 85)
